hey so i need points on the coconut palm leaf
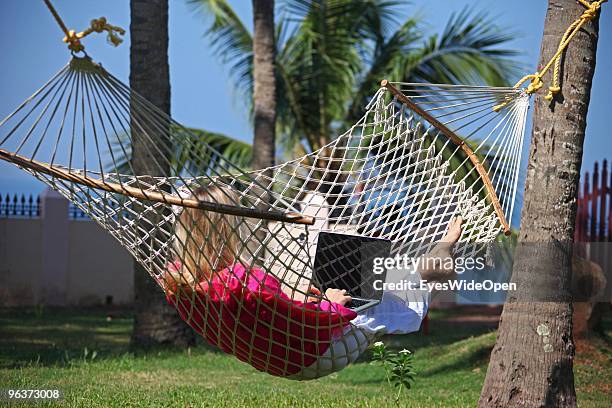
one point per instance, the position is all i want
(469, 51)
(386, 62)
(210, 152)
(322, 60)
(333, 51)
(194, 151)
(231, 41)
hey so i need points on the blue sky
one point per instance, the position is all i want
(202, 95)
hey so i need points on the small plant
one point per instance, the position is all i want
(39, 310)
(34, 363)
(398, 367)
(87, 357)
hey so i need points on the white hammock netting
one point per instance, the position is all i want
(420, 155)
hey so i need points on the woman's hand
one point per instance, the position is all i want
(338, 296)
(317, 295)
(170, 282)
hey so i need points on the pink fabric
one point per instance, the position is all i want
(246, 314)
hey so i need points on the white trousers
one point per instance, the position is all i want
(399, 312)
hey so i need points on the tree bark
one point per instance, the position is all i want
(155, 321)
(532, 361)
(264, 92)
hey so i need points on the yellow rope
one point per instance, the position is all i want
(73, 39)
(592, 8)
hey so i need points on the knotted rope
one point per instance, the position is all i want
(592, 8)
(73, 39)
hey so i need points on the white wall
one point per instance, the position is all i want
(55, 260)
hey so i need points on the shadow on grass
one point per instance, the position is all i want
(470, 360)
(61, 337)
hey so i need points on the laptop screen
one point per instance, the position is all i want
(347, 262)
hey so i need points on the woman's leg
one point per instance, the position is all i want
(438, 264)
(404, 306)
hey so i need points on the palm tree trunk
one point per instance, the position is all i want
(264, 93)
(532, 361)
(155, 321)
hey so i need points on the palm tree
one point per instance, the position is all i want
(330, 56)
(264, 85)
(532, 361)
(155, 321)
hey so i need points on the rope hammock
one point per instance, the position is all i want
(234, 250)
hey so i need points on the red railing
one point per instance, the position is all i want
(594, 212)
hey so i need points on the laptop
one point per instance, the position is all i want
(347, 262)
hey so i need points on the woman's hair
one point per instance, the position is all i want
(205, 241)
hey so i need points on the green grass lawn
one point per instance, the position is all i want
(86, 356)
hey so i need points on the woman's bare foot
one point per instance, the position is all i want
(454, 231)
(439, 264)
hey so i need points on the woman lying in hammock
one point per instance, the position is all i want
(243, 311)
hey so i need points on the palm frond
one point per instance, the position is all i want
(333, 51)
(231, 41)
(201, 159)
(469, 51)
(195, 151)
(386, 62)
(324, 58)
